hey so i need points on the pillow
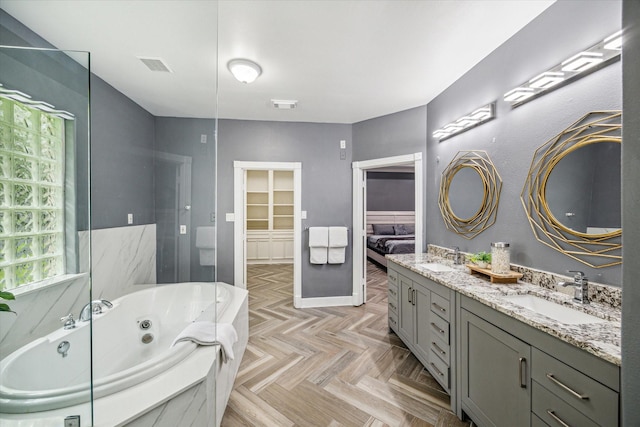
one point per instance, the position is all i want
(383, 229)
(400, 229)
(411, 228)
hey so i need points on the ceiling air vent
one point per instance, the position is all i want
(155, 64)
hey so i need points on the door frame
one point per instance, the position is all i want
(183, 242)
(359, 214)
(239, 228)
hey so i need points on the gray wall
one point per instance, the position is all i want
(631, 215)
(182, 136)
(390, 191)
(404, 132)
(512, 138)
(326, 188)
(122, 143)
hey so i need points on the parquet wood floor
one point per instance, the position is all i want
(338, 366)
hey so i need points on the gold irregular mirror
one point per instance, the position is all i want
(572, 192)
(469, 193)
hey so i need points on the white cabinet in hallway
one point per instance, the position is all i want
(269, 216)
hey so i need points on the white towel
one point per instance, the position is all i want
(318, 237)
(338, 241)
(205, 237)
(318, 255)
(318, 244)
(338, 237)
(207, 257)
(210, 333)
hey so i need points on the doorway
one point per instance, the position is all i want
(251, 215)
(173, 217)
(360, 215)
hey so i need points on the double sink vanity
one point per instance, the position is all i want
(510, 355)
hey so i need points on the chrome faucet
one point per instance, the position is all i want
(69, 322)
(581, 291)
(457, 256)
(94, 307)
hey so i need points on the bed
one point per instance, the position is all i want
(389, 232)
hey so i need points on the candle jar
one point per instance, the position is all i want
(500, 258)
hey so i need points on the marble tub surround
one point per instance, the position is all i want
(121, 258)
(598, 292)
(601, 339)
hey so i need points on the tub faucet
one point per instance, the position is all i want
(69, 322)
(94, 307)
(581, 291)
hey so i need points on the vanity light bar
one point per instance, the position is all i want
(576, 66)
(471, 120)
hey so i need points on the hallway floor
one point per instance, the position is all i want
(330, 366)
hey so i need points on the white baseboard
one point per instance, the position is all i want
(325, 302)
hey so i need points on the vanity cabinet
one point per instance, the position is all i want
(424, 321)
(496, 386)
(513, 374)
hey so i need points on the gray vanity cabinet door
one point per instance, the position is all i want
(405, 308)
(423, 315)
(496, 384)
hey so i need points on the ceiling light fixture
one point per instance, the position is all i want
(243, 70)
(284, 104)
(464, 123)
(576, 66)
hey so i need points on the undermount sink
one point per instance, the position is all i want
(435, 267)
(553, 310)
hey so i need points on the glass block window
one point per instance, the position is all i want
(31, 194)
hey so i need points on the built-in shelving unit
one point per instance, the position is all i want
(269, 216)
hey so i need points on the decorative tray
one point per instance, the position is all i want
(495, 277)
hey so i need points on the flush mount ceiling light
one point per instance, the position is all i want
(284, 104)
(599, 55)
(471, 120)
(243, 70)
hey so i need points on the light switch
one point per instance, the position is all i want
(343, 144)
(203, 138)
(304, 214)
(230, 217)
(183, 229)
(130, 218)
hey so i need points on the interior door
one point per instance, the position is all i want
(173, 218)
(364, 237)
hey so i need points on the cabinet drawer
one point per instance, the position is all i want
(537, 422)
(393, 321)
(440, 328)
(392, 278)
(555, 412)
(441, 349)
(393, 293)
(439, 370)
(393, 306)
(585, 394)
(440, 306)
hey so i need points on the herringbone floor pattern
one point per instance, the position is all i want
(336, 366)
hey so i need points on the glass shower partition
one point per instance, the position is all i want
(45, 349)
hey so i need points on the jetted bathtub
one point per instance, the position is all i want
(131, 343)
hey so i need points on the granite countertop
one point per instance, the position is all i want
(600, 339)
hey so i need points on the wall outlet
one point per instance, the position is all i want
(130, 218)
(343, 144)
(203, 138)
(343, 154)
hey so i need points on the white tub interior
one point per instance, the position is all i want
(37, 378)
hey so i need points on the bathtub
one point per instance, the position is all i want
(131, 344)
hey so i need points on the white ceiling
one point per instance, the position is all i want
(344, 61)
